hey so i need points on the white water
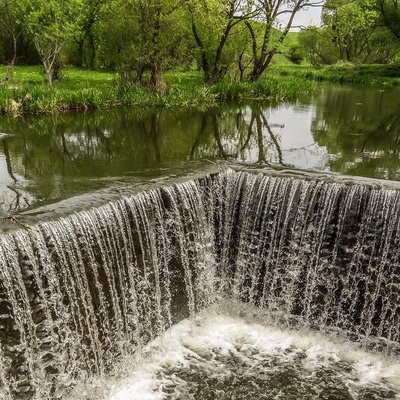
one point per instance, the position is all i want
(223, 354)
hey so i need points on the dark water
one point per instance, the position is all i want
(49, 158)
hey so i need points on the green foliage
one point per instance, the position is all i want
(226, 39)
(318, 46)
(388, 12)
(351, 25)
(359, 31)
(344, 72)
(156, 30)
(295, 54)
(50, 23)
(360, 130)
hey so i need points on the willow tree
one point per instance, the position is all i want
(351, 26)
(389, 15)
(318, 46)
(273, 16)
(91, 13)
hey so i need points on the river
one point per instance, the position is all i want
(45, 159)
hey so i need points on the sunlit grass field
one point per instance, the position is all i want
(72, 77)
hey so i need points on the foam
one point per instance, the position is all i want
(228, 348)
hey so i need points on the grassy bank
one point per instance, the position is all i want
(83, 90)
(378, 75)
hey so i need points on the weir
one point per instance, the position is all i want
(81, 293)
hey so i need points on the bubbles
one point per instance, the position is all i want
(226, 356)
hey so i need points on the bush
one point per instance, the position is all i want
(295, 54)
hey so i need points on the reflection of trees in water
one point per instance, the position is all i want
(52, 157)
(238, 133)
(83, 145)
(61, 155)
(360, 130)
(153, 132)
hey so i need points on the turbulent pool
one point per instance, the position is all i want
(223, 354)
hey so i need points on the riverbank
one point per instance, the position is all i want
(82, 89)
(85, 90)
(345, 73)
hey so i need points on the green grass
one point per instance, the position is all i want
(79, 89)
(72, 77)
(272, 87)
(344, 73)
(84, 89)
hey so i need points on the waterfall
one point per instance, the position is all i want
(327, 252)
(82, 292)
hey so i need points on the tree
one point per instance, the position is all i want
(50, 23)
(85, 36)
(389, 15)
(352, 31)
(7, 23)
(318, 46)
(353, 125)
(295, 53)
(385, 46)
(351, 26)
(212, 24)
(155, 29)
(270, 12)
(113, 33)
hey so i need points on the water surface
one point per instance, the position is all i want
(44, 159)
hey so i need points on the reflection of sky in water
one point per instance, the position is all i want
(313, 157)
(5, 178)
(13, 195)
(291, 124)
(297, 143)
(296, 121)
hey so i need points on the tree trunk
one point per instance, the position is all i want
(204, 60)
(10, 67)
(49, 54)
(264, 56)
(218, 70)
(87, 54)
(156, 81)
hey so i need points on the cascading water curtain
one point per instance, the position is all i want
(326, 252)
(80, 293)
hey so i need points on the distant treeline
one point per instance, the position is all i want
(143, 38)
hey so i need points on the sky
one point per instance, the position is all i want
(305, 18)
